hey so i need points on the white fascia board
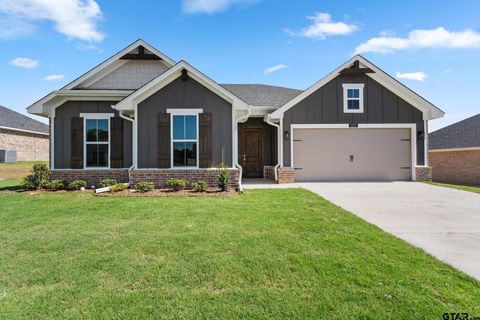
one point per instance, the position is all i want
(170, 75)
(23, 130)
(455, 149)
(113, 62)
(429, 110)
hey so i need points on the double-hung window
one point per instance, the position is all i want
(97, 140)
(353, 97)
(184, 137)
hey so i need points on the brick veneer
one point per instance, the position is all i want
(160, 177)
(92, 177)
(286, 175)
(423, 173)
(461, 167)
(269, 172)
(29, 146)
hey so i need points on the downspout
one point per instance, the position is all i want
(235, 161)
(269, 121)
(123, 116)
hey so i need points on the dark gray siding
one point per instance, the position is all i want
(184, 95)
(63, 116)
(326, 106)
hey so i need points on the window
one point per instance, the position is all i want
(184, 139)
(97, 140)
(353, 98)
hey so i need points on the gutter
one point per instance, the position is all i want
(269, 121)
(123, 116)
(235, 161)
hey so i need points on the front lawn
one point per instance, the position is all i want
(264, 254)
(457, 186)
(17, 170)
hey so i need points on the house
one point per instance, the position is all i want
(454, 152)
(28, 137)
(142, 116)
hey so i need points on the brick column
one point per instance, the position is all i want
(423, 173)
(286, 175)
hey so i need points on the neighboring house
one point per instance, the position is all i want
(141, 110)
(455, 152)
(28, 137)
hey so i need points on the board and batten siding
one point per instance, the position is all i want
(62, 130)
(184, 95)
(325, 106)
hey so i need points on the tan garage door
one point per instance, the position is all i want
(352, 154)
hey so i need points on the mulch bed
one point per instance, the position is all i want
(168, 193)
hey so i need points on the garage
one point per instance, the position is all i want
(352, 154)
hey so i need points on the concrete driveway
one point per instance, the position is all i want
(444, 222)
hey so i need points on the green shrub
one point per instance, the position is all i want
(175, 184)
(145, 186)
(200, 186)
(56, 185)
(223, 178)
(77, 185)
(39, 178)
(107, 183)
(118, 187)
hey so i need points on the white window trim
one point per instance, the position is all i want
(347, 86)
(95, 116)
(184, 112)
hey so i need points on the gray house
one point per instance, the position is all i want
(142, 116)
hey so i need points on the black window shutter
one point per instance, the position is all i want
(163, 140)
(205, 139)
(116, 142)
(77, 143)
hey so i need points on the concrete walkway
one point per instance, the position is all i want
(444, 222)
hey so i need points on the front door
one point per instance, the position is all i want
(251, 151)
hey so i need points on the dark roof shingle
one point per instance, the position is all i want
(463, 134)
(15, 120)
(262, 95)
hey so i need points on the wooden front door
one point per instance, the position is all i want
(251, 151)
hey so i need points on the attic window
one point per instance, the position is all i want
(353, 97)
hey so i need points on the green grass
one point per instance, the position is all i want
(10, 184)
(457, 186)
(16, 170)
(264, 254)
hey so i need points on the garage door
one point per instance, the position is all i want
(351, 154)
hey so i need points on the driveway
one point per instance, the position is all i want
(444, 222)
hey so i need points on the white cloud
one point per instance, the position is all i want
(417, 76)
(323, 26)
(26, 63)
(77, 19)
(212, 6)
(54, 77)
(430, 38)
(275, 69)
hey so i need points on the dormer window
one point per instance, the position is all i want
(353, 97)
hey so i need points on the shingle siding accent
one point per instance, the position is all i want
(29, 146)
(462, 167)
(132, 75)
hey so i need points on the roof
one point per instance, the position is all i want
(15, 120)
(429, 110)
(262, 95)
(463, 134)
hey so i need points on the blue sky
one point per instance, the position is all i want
(432, 46)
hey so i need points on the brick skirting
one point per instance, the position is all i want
(269, 172)
(286, 175)
(462, 167)
(423, 173)
(160, 176)
(92, 177)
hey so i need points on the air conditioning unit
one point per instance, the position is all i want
(8, 156)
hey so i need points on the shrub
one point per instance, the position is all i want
(38, 179)
(145, 186)
(118, 187)
(107, 183)
(223, 178)
(56, 185)
(175, 184)
(77, 185)
(200, 186)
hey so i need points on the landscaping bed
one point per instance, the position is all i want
(168, 193)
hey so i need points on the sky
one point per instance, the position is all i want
(430, 46)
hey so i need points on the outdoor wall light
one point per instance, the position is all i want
(286, 134)
(420, 135)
